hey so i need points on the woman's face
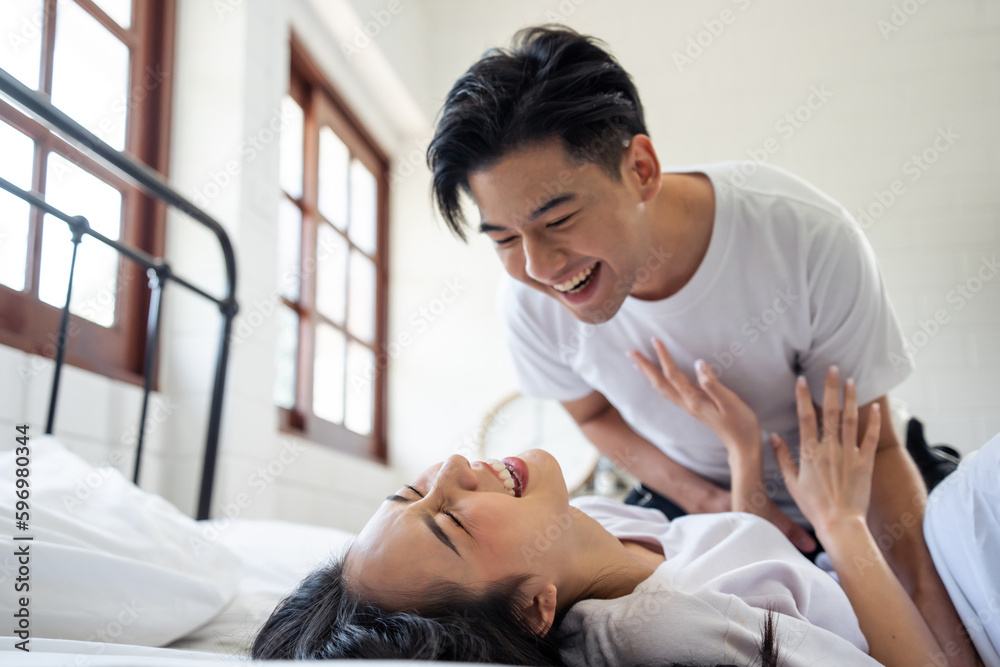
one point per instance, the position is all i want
(415, 539)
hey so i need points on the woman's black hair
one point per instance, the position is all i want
(324, 619)
(553, 82)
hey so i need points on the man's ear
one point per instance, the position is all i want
(541, 613)
(644, 166)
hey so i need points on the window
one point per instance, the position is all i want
(105, 63)
(330, 383)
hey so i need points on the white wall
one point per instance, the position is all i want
(890, 95)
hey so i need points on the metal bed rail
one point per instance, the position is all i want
(158, 271)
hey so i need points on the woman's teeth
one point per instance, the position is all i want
(577, 282)
(505, 476)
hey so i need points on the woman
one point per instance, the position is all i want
(489, 562)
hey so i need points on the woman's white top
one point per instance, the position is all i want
(707, 602)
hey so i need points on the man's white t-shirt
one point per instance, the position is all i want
(789, 285)
(706, 603)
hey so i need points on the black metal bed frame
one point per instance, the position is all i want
(158, 271)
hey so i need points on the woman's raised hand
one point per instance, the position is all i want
(710, 402)
(832, 480)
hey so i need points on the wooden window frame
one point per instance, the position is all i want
(26, 322)
(311, 89)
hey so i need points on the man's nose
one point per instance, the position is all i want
(543, 260)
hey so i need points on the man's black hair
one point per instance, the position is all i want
(552, 82)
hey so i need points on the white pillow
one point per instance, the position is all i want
(108, 562)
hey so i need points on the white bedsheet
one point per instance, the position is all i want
(275, 556)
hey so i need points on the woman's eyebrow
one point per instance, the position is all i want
(429, 521)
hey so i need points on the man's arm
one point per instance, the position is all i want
(604, 426)
(895, 518)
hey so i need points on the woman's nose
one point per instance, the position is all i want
(457, 472)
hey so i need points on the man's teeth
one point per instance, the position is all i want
(508, 481)
(576, 281)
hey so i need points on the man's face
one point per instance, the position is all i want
(565, 228)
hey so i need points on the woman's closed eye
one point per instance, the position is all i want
(445, 512)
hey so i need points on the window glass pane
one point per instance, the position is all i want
(290, 172)
(21, 46)
(333, 160)
(360, 388)
(95, 281)
(361, 317)
(17, 152)
(90, 74)
(363, 207)
(287, 351)
(13, 240)
(331, 273)
(328, 374)
(289, 248)
(16, 157)
(120, 11)
(77, 192)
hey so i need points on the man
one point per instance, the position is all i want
(753, 271)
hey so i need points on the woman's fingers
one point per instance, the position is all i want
(786, 462)
(849, 421)
(831, 406)
(656, 378)
(674, 376)
(807, 414)
(693, 398)
(718, 392)
(870, 444)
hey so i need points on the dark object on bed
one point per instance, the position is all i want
(157, 269)
(934, 461)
